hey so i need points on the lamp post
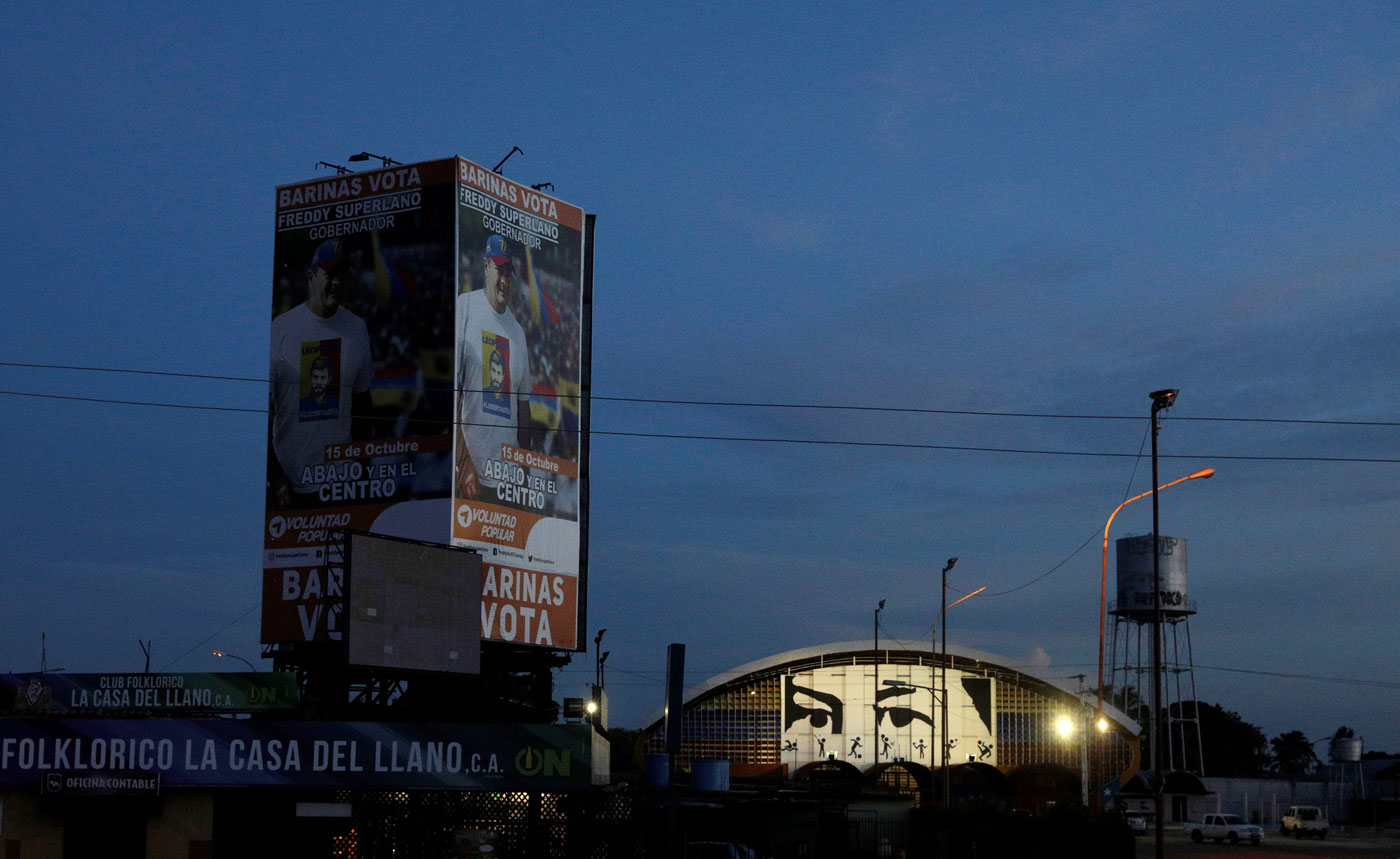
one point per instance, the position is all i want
(222, 655)
(598, 657)
(1163, 399)
(875, 705)
(943, 737)
(1065, 726)
(905, 684)
(1103, 583)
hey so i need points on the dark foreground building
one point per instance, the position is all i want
(188, 766)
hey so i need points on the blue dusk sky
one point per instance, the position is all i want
(995, 226)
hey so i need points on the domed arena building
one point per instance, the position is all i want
(845, 712)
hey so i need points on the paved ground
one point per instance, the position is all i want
(1364, 845)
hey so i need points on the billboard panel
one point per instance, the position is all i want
(360, 402)
(50, 694)
(413, 606)
(411, 398)
(839, 712)
(341, 755)
(519, 366)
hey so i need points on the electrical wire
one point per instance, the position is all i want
(1091, 537)
(737, 403)
(768, 439)
(1293, 675)
(749, 439)
(654, 677)
(211, 636)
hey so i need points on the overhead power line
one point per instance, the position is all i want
(740, 404)
(1293, 675)
(211, 635)
(770, 439)
(655, 676)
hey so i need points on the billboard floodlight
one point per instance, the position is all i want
(502, 162)
(384, 159)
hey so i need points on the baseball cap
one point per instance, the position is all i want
(496, 250)
(330, 254)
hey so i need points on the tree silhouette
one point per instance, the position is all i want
(1231, 746)
(1293, 754)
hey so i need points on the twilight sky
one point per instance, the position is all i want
(1042, 211)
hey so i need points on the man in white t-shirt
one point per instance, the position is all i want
(493, 378)
(321, 373)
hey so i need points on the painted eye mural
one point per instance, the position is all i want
(979, 692)
(840, 712)
(816, 708)
(900, 714)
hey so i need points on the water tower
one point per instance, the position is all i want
(1344, 777)
(1130, 684)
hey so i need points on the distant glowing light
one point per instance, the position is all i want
(1064, 726)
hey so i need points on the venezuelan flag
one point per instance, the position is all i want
(397, 387)
(544, 405)
(570, 405)
(540, 305)
(388, 286)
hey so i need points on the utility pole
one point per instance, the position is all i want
(1162, 399)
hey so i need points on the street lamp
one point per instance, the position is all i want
(598, 657)
(384, 159)
(222, 655)
(1103, 584)
(943, 622)
(937, 699)
(1064, 726)
(905, 684)
(1163, 399)
(875, 706)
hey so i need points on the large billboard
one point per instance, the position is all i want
(374, 427)
(839, 712)
(516, 469)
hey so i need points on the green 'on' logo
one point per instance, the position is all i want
(531, 761)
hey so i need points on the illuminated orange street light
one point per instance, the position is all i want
(969, 596)
(943, 618)
(1103, 586)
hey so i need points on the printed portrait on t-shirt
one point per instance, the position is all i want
(320, 380)
(495, 370)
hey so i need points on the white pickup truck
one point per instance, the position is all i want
(1304, 820)
(1224, 827)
